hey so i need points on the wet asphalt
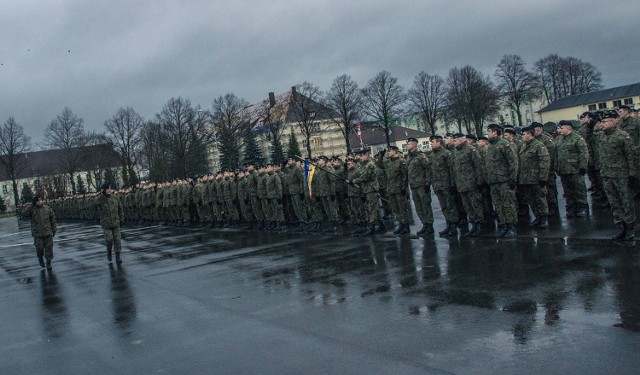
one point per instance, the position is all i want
(193, 300)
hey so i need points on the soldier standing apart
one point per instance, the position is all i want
(443, 184)
(418, 171)
(616, 147)
(368, 182)
(395, 169)
(111, 217)
(533, 162)
(43, 228)
(572, 157)
(502, 177)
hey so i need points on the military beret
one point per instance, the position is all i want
(411, 139)
(471, 136)
(394, 148)
(610, 114)
(448, 135)
(624, 107)
(435, 137)
(536, 125)
(458, 135)
(509, 129)
(565, 123)
(529, 129)
(322, 157)
(494, 127)
(483, 138)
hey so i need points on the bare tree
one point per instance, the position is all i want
(13, 145)
(154, 157)
(230, 122)
(472, 97)
(564, 76)
(308, 111)
(516, 84)
(124, 133)
(427, 98)
(185, 135)
(383, 101)
(67, 134)
(345, 100)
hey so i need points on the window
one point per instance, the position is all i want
(602, 105)
(5, 189)
(316, 142)
(628, 101)
(617, 103)
(592, 107)
(404, 148)
(304, 143)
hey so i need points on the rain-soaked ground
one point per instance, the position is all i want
(564, 300)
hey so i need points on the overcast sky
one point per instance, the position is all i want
(97, 56)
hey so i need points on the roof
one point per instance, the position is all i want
(46, 162)
(375, 136)
(593, 97)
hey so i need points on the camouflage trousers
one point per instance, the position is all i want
(113, 238)
(372, 208)
(448, 205)
(266, 209)
(256, 208)
(552, 191)
(357, 210)
(620, 198)
(536, 197)
(473, 205)
(575, 191)
(399, 207)
(327, 205)
(44, 246)
(277, 211)
(231, 209)
(299, 208)
(245, 209)
(504, 200)
(422, 201)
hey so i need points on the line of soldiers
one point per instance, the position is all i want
(502, 175)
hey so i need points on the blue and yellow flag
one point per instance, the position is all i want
(309, 170)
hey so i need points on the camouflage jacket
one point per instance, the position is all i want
(467, 168)
(368, 179)
(43, 220)
(273, 186)
(619, 157)
(501, 162)
(396, 173)
(110, 211)
(571, 154)
(534, 161)
(441, 172)
(418, 169)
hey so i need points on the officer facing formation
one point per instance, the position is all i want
(111, 217)
(43, 229)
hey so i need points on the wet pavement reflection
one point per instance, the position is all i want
(191, 299)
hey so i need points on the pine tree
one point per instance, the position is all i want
(80, 185)
(293, 148)
(277, 152)
(252, 152)
(110, 177)
(26, 194)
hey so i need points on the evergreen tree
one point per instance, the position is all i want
(109, 177)
(26, 194)
(252, 152)
(293, 147)
(277, 152)
(80, 186)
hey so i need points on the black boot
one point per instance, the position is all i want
(470, 232)
(41, 260)
(109, 255)
(453, 230)
(510, 231)
(544, 222)
(49, 264)
(404, 229)
(621, 233)
(371, 231)
(428, 229)
(399, 229)
(381, 227)
(629, 236)
(444, 231)
(118, 259)
(422, 230)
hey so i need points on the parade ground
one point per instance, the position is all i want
(194, 300)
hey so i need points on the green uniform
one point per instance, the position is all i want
(368, 182)
(443, 184)
(419, 179)
(323, 190)
(533, 161)
(111, 216)
(467, 174)
(43, 228)
(396, 175)
(296, 193)
(619, 163)
(502, 175)
(552, 189)
(572, 158)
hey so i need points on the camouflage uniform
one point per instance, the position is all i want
(418, 172)
(323, 190)
(43, 228)
(467, 174)
(572, 157)
(111, 216)
(502, 175)
(368, 182)
(620, 162)
(443, 183)
(296, 194)
(533, 162)
(356, 199)
(256, 208)
(273, 186)
(552, 189)
(396, 175)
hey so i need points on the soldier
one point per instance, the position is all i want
(396, 175)
(588, 121)
(273, 186)
(502, 175)
(323, 198)
(443, 184)
(549, 143)
(229, 193)
(244, 201)
(262, 196)
(616, 146)
(111, 217)
(43, 229)
(342, 204)
(533, 162)
(467, 173)
(631, 126)
(296, 193)
(368, 182)
(418, 170)
(572, 157)
(256, 208)
(356, 198)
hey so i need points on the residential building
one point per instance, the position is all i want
(374, 138)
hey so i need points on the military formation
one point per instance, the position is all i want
(480, 182)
